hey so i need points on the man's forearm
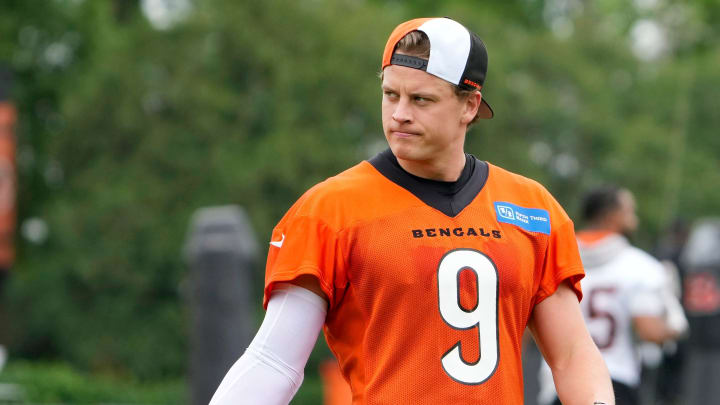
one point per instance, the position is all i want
(583, 376)
(579, 371)
(271, 370)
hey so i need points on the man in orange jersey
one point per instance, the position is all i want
(424, 264)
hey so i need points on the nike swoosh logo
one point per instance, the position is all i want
(279, 242)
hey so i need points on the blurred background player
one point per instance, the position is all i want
(7, 197)
(424, 264)
(627, 294)
(661, 383)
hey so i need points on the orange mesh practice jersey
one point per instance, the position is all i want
(429, 293)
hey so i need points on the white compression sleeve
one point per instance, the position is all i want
(271, 369)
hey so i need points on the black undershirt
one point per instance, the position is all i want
(449, 197)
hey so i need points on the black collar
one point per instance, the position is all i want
(449, 197)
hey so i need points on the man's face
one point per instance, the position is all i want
(626, 212)
(423, 119)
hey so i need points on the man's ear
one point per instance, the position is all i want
(471, 106)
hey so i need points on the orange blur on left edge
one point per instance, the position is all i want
(336, 390)
(8, 117)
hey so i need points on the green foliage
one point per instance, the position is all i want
(59, 383)
(127, 129)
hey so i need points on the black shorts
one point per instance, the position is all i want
(624, 394)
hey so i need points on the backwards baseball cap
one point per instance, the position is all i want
(456, 54)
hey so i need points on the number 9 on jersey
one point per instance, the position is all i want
(483, 316)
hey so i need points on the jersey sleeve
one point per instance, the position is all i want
(303, 243)
(562, 258)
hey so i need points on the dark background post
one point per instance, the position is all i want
(221, 252)
(531, 367)
(701, 300)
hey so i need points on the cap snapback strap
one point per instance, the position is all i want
(409, 61)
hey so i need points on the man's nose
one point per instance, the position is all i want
(402, 112)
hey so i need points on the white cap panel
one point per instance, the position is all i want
(449, 48)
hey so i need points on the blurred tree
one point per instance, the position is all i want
(128, 127)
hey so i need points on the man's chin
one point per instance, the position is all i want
(403, 152)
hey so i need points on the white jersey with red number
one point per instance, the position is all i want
(621, 282)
